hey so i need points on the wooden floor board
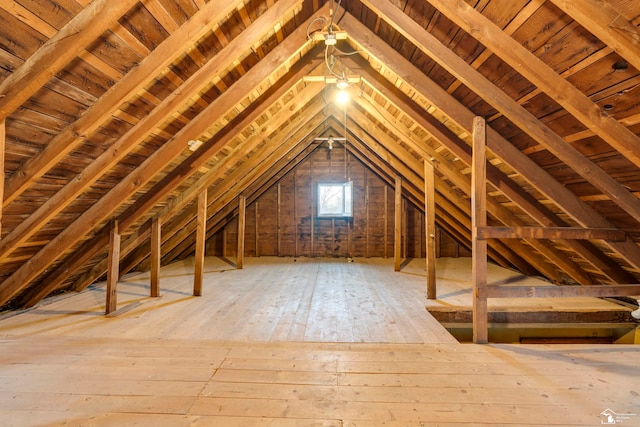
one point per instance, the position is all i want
(284, 343)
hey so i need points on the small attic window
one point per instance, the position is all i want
(335, 200)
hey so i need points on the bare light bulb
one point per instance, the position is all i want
(342, 97)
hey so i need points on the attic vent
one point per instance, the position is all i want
(620, 66)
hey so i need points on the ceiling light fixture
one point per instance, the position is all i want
(330, 39)
(342, 83)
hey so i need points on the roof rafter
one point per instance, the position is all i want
(127, 87)
(605, 22)
(452, 108)
(58, 51)
(163, 156)
(510, 108)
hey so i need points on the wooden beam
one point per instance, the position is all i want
(278, 219)
(156, 256)
(540, 179)
(157, 161)
(59, 51)
(564, 233)
(430, 227)
(261, 166)
(126, 87)
(554, 85)
(526, 121)
(241, 229)
(201, 237)
(540, 318)
(113, 272)
(458, 179)
(130, 140)
(222, 167)
(397, 224)
(385, 148)
(603, 20)
(498, 291)
(479, 219)
(3, 141)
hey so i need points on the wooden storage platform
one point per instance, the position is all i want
(542, 317)
(283, 343)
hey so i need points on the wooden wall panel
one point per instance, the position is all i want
(283, 222)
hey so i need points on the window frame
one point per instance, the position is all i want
(346, 201)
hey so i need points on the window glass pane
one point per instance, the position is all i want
(335, 199)
(330, 199)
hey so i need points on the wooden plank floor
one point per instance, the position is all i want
(271, 299)
(248, 353)
(46, 380)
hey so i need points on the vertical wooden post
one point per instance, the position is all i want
(295, 214)
(278, 237)
(3, 141)
(201, 234)
(156, 243)
(257, 231)
(313, 208)
(405, 229)
(241, 225)
(366, 207)
(430, 227)
(397, 225)
(113, 271)
(479, 219)
(385, 215)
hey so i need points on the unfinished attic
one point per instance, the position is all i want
(194, 230)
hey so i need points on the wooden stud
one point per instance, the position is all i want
(3, 140)
(430, 227)
(278, 219)
(295, 215)
(366, 207)
(113, 270)
(241, 229)
(225, 251)
(155, 256)
(405, 229)
(201, 232)
(397, 224)
(333, 237)
(386, 226)
(479, 219)
(313, 206)
(257, 248)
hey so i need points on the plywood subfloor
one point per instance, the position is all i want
(262, 348)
